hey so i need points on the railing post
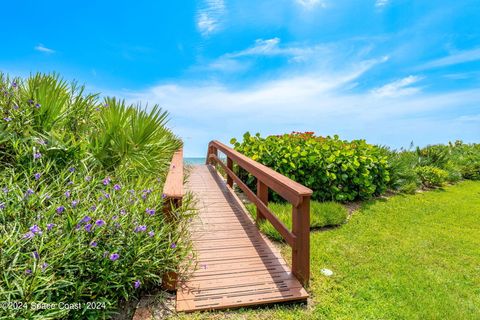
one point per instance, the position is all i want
(262, 194)
(301, 249)
(229, 166)
(214, 151)
(170, 279)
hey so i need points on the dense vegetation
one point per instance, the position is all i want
(80, 200)
(341, 170)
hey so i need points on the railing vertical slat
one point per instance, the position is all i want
(229, 166)
(301, 249)
(262, 194)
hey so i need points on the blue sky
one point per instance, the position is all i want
(389, 71)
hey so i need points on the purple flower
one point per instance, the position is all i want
(28, 271)
(28, 235)
(114, 217)
(14, 84)
(117, 225)
(144, 196)
(74, 203)
(35, 229)
(2, 205)
(67, 194)
(150, 211)
(37, 105)
(44, 266)
(7, 119)
(164, 195)
(85, 219)
(37, 155)
(47, 196)
(36, 255)
(30, 101)
(136, 284)
(100, 198)
(88, 227)
(93, 208)
(106, 195)
(29, 192)
(50, 226)
(93, 244)
(131, 191)
(114, 256)
(37, 176)
(100, 223)
(60, 209)
(151, 233)
(69, 183)
(173, 246)
(88, 178)
(15, 107)
(72, 169)
(106, 181)
(117, 187)
(140, 228)
(123, 212)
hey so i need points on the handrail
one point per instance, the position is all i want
(290, 190)
(173, 195)
(295, 193)
(173, 187)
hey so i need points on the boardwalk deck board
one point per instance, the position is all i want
(237, 266)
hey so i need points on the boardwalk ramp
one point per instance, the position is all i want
(237, 265)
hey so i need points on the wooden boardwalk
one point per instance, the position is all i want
(237, 265)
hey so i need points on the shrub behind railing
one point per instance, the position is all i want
(334, 169)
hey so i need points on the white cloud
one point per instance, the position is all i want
(398, 88)
(40, 47)
(455, 58)
(209, 16)
(309, 4)
(317, 101)
(469, 118)
(261, 47)
(381, 3)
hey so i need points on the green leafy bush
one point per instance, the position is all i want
(466, 158)
(322, 214)
(431, 176)
(81, 200)
(334, 169)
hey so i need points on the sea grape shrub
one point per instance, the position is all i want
(334, 169)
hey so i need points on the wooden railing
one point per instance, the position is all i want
(173, 195)
(298, 195)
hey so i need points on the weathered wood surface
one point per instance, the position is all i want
(237, 265)
(173, 187)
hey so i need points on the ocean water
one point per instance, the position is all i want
(193, 161)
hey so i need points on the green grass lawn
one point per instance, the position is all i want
(408, 257)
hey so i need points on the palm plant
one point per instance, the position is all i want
(132, 139)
